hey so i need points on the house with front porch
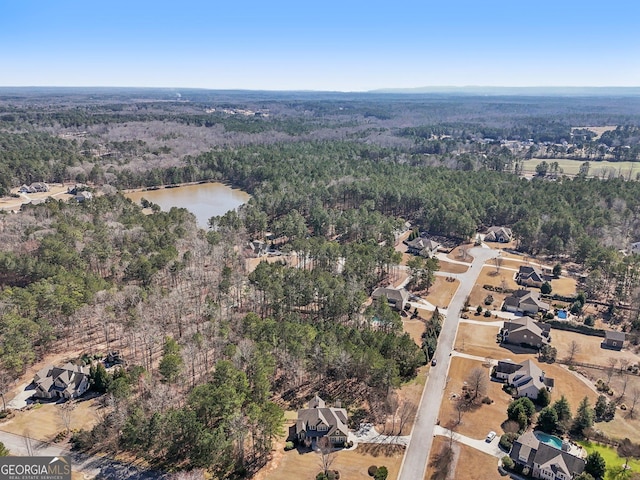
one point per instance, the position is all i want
(318, 420)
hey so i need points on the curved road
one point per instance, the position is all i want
(416, 457)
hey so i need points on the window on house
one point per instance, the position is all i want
(615, 344)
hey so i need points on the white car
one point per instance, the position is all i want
(490, 436)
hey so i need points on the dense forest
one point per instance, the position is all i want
(217, 350)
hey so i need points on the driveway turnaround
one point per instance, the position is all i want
(414, 463)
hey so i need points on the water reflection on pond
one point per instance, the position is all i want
(204, 200)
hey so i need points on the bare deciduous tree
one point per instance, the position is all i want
(405, 412)
(635, 397)
(477, 382)
(65, 411)
(497, 261)
(574, 348)
(327, 454)
(611, 365)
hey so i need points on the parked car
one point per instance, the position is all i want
(490, 436)
(433, 362)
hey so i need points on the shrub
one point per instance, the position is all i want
(545, 289)
(507, 462)
(381, 474)
(288, 446)
(372, 470)
(479, 310)
(487, 401)
(487, 313)
(506, 440)
(488, 300)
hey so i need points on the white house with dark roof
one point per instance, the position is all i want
(68, 381)
(526, 377)
(543, 460)
(318, 421)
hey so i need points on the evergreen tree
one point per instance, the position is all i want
(595, 465)
(583, 418)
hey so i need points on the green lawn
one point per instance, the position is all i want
(610, 456)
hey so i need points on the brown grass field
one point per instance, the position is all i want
(441, 292)
(449, 267)
(456, 253)
(351, 464)
(44, 422)
(476, 465)
(489, 276)
(476, 423)
(480, 341)
(415, 328)
(589, 348)
(56, 190)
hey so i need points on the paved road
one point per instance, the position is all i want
(416, 457)
(89, 465)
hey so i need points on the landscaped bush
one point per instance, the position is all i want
(487, 313)
(372, 470)
(381, 474)
(288, 446)
(507, 462)
(487, 401)
(506, 440)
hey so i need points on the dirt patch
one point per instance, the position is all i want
(448, 267)
(442, 291)
(415, 328)
(351, 464)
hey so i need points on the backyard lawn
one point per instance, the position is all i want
(611, 456)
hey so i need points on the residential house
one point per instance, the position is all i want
(525, 301)
(422, 246)
(543, 460)
(397, 297)
(68, 381)
(83, 196)
(526, 331)
(613, 340)
(530, 276)
(498, 234)
(318, 421)
(36, 187)
(526, 377)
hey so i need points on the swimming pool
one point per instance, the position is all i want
(562, 314)
(549, 439)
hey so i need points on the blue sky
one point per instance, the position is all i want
(329, 45)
